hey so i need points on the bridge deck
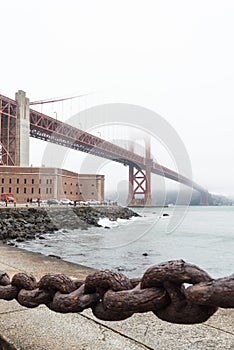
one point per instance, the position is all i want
(52, 130)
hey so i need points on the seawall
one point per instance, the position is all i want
(42, 329)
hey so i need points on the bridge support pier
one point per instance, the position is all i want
(139, 187)
(22, 129)
(204, 198)
(139, 193)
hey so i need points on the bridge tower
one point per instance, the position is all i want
(139, 192)
(204, 198)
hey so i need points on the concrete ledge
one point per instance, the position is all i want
(42, 329)
(5, 345)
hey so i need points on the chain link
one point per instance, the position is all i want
(113, 297)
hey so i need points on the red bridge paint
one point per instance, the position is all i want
(52, 130)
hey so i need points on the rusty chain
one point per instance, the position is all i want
(113, 297)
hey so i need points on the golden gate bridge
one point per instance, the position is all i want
(19, 122)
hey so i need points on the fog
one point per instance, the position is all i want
(172, 57)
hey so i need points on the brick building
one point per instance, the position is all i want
(45, 183)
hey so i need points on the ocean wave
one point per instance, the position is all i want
(106, 222)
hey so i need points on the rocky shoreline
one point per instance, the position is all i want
(27, 223)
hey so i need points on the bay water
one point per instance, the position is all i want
(203, 236)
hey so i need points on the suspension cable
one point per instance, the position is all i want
(56, 100)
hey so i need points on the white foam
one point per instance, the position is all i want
(112, 223)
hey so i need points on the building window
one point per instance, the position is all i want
(32, 181)
(10, 181)
(81, 185)
(92, 185)
(47, 191)
(2, 181)
(2, 189)
(65, 183)
(47, 181)
(32, 190)
(71, 183)
(17, 190)
(76, 184)
(39, 191)
(70, 192)
(17, 181)
(80, 192)
(40, 181)
(25, 191)
(9, 189)
(92, 193)
(76, 192)
(50, 190)
(51, 181)
(65, 192)
(25, 181)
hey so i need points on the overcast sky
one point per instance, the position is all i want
(174, 57)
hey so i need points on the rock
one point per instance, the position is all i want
(26, 223)
(54, 256)
(10, 243)
(20, 239)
